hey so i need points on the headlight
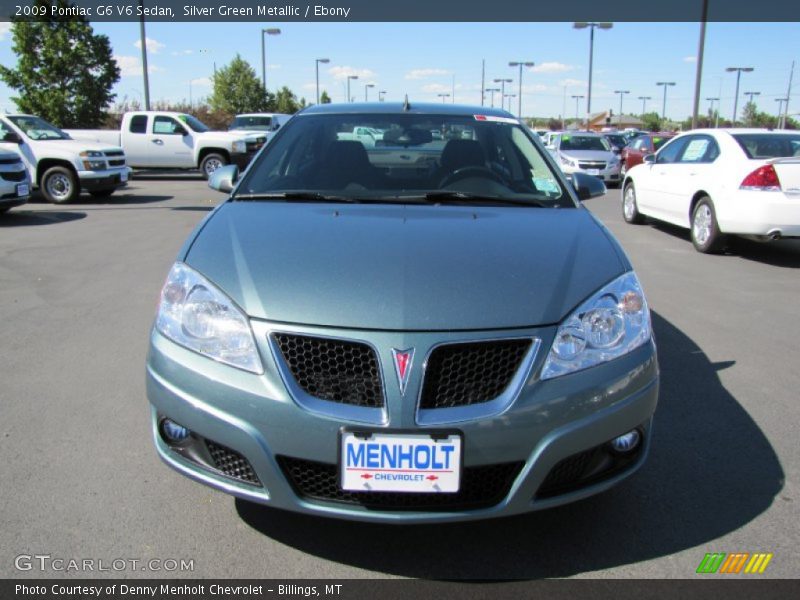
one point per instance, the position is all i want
(94, 165)
(239, 146)
(91, 154)
(197, 315)
(614, 321)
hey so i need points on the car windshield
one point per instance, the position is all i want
(769, 145)
(252, 123)
(617, 139)
(584, 142)
(397, 158)
(38, 129)
(194, 124)
(660, 140)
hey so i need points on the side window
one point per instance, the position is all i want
(670, 152)
(638, 145)
(138, 124)
(699, 149)
(166, 126)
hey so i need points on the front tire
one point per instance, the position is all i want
(630, 210)
(706, 236)
(211, 162)
(59, 185)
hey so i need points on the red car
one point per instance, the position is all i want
(634, 153)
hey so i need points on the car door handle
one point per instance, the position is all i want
(159, 142)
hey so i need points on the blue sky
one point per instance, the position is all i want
(421, 59)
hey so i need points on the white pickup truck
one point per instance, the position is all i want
(171, 140)
(60, 166)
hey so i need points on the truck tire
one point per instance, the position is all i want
(59, 185)
(211, 162)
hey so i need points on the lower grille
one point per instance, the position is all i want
(592, 165)
(120, 162)
(231, 463)
(472, 373)
(335, 370)
(13, 175)
(481, 487)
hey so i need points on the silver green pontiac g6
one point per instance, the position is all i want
(403, 313)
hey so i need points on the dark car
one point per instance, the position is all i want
(633, 154)
(617, 141)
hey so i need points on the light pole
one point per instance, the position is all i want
(698, 76)
(349, 77)
(711, 109)
(324, 61)
(443, 97)
(510, 96)
(666, 84)
(591, 26)
(381, 94)
(577, 99)
(751, 94)
(144, 59)
(366, 90)
(264, 33)
(492, 90)
(780, 102)
(503, 83)
(621, 94)
(739, 71)
(520, 64)
(644, 100)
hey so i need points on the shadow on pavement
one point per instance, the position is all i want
(711, 471)
(22, 218)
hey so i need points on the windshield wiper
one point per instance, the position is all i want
(444, 196)
(299, 197)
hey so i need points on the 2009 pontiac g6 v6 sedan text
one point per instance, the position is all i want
(427, 328)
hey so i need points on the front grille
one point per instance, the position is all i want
(481, 487)
(13, 175)
(471, 373)
(231, 463)
(592, 165)
(116, 162)
(13, 160)
(115, 153)
(335, 370)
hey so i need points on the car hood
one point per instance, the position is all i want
(588, 154)
(397, 267)
(78, 146)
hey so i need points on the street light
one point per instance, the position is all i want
(711, 109)
(381, 94)
(739, 71)
(510, 96)
(577, 99)
(502, 83)
(780, 102)
(443, 97)
(493, 90)
(520, 64)
(644, 100)
(366, 90)
(324, 61)
(265, 32)
(349, 77)
(591, 26)
(664, 105)
(621, 94)
(751, 94)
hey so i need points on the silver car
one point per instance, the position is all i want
(586, 152)
(421, 330)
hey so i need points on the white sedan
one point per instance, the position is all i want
(720, 181)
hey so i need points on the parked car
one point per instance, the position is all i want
(717, 182)
(15, 183)
(264, 124)
(633, 154)
(60, 166)
(586, 152)
(402, 340)
(617, 141)
(170, 140)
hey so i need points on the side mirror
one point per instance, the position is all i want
(12, 138)
(649, 159)
(224, 178)
(587, 186)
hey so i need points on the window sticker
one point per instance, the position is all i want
(695, 150)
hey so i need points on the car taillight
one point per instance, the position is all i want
(763, 178)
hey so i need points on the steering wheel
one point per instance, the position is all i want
(466, 172)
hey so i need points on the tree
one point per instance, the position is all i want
(64, 72)
(324, 98)
(237, 89)
(286, 101)
(651, 121)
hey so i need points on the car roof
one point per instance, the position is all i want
(432, 108)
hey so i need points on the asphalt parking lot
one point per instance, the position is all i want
(80, 479)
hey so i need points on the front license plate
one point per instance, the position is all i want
(123, 176)
(23, 189)
(593, 171)
(400, 462)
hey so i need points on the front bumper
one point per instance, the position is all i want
(258, 418)
(609, 175)
(104, 180)
(242, 159)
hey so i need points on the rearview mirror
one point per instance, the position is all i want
(12, 138)
(587, 186)
(224, 178)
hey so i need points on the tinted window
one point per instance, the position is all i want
(138, 124)
(769, 145)
(584, 142)
(252, 123)
(699, 149)
(659, 141)
(669, 153)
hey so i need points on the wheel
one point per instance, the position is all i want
(630, 211)
(706, 236)
(59, 185)
(102, 193)
(212, 162)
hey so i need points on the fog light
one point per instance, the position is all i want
(626, 442)
(172, 432)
